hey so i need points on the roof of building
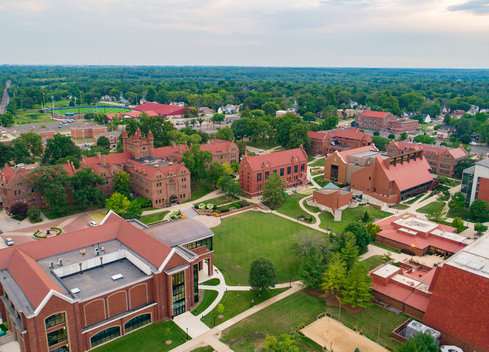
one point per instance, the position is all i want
(457, 153)
(175, 151)
(161, 109)
(108, 134)
(402, 173)
(9, 172)
(86, 125)
(484, 163)
(148, 166)
(331, 185)
(215, 145)
(349, 132)
(346, 153)
(370, 113)
(276, 159)
(179, 232)
(110, 159)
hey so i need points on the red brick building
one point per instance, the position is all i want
(291, 165)
(113, 138)
(376, 120)
(402, 125)
(78, 290)
(87, 130)
(441, 160)
(378, 175)
(327, 142)
(45, 133)
(331, 198)
(222, 151)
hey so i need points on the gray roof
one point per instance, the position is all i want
(484, 163)
(331, 185)
(174, 233)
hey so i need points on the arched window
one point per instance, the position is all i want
(105, 335)
(137, 322)
(55, 319)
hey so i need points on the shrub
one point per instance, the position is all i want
(243, 203)
(34, 213)
(224, 209)
(143, 202)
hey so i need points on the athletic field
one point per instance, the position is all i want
(101, 108)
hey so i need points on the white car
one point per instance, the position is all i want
(93, 223)
(20, 165)
(9, 241)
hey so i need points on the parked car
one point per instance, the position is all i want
(9, 241)
(93, 223)
(20, 165)
(1, 232)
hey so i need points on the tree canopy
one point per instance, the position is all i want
(273, 191)
(263, 275)
(59, 150)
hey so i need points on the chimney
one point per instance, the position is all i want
(104, 160)
(173, 144)
(246, 154)
(179, 148)
(99, 155)
(81, 268)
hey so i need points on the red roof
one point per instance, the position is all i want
(161, 109)
(344, 154)
(316, 135)
(165, 152)
(276, 159)
(402, 173)
(395, 291)
(418, 300)
(150, 171)
(370, 113)
(110, 159)
(351, 133)
(216, 144)
(455, 152)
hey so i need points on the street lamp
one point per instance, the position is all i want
(214, 319)
(187, 334)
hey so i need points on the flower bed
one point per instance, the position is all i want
(59, 232)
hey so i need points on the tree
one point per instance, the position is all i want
(283, 344)
(6, 154)
(461, 166)
(263, 275)
(446, 119)
(376, 133)
(103, 142)
(457, 202)
(425, 139)
(458, 223)
(422, 342)
(309, 116)
(239, 128)
(356, 287)
(312, 268)
(274, 190)
(7, 119)
(133, 211)
(306, 240)
(216, 171)
(230, 186)
(19, 210)
(465, 139)
(33, 142)
(122, 183)
(196, 161)
(334, 276)
(373, 229)
(479, 209)
(220, 309)
(218, 118)
(480, 228)
(349, 254)
(84, 184)
(51, 183)
(362, 236)
(366, 217)
(117, 202)
(380, 142)
(391, 136)
(59, 149)
(34, 214)
(403, 136)
(298, 136)
(226, 134)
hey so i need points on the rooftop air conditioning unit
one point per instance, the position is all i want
(60, 262)
(75, 290)
(51, 264)
(117, 277)
(96, 252)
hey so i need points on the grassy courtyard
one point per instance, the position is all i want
(240, 239)
(236, 302)
(291, 207)
(209, 297)
(153, 218)
(151, 338)
(349, 215)
(199, 189)
(373, 261)
(435, 208)
(71, 209)
(319, 162)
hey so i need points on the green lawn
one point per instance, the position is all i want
(349, 215)
(320, 180)
(151, 338)
(373, 261)
(311, 208)
(310, 158)
(411, 201)
(242, 238)
(432, 208)
(291, 207)
(282, 317)
(199, 189)
(71, 209)
(236, 302)
(212, 282)
(23, 116)
(209, 297)
(400, 207)
(465, 215)
(155, 217)
(104, 109)
(319, 162)
(262, 144)
(204, 349)
(219, 200)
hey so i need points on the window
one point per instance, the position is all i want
(137, 322)
(64, 348)
(289, 170)
(296, 169)
(57, 336)
(258, 177)
(105, 335)
(55, 319)
(281, 172)
(303, 167)
(267, 173)
(196, 283)
(178, 293)
(205, 242)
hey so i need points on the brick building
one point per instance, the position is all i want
(327, 142)
(402, 125)
(222, 151)
(78, 290)
(291, 165)
(87, 130)
(441, 160)
(113, 138)
(376, 120)
(331, 198)
(46, 133)
(378, 175)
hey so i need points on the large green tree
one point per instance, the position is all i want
(60, 149)
(230, 186)
(334, 276)
(117, 202)
(122, 183)
(51, 183)
(196, 161)
(216, 171)
(226, 134)
(380, 142)
(274, 190)
(356, 287)
(457, 202)
(422, 342)
(103, 142)
(312, 269)
(263, 275)
(479, 209)
(33, 141)
(362, 236)
(298, 136)
(85, 191)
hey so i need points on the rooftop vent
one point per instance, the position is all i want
(117, 277)
(51, 264)
(75, 290)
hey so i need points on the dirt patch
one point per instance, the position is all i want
(334, 302)
(328, 333)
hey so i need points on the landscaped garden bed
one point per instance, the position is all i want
(51, 232)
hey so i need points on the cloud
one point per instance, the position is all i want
(477, 7)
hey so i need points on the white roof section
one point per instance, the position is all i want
(415, 224)
(405, 280)
(474, 258)
(448, 235)
(387, 270)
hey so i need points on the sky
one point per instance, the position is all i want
(293, 33)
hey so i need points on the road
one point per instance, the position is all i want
(5, 98)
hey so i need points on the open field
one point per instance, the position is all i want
(435, 208)
(291, 207)
(150, 338)
(242, 238)
(199, 189)
(319, 162)
(105, 109)
(349, 215)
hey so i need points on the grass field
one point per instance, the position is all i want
(220, 200)
(242, 238)
(204, 349)
(435, 208)
(71, 209)
(303, 308)
(349, 215)
(319, 162)
(320, 180)
(212, 282)
(199, 189)
(262, 144)
(280, 318)
(151, 218)
(151, 338)
(373, 261)
(236, 302)
(291, 207)
(209, 297)
(98, 216)
(401, 206)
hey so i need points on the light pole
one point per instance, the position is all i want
(214, 319)
(187, 334)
